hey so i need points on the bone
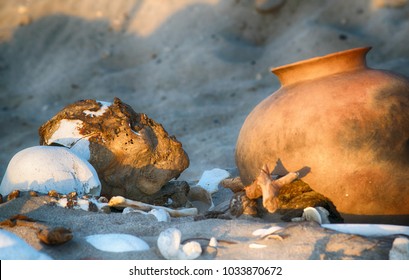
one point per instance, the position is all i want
(269, 190)
(119, 201)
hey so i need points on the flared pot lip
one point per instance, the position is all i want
(363, 50)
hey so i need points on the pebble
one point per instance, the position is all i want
(169, 242)
(13, 195)
(55, 236)
(53, 193)
(33, 193)
(169, 246)
(103, 199)
(213, 242)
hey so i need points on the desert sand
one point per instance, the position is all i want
(197, 67)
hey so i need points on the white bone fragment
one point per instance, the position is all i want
(119, 201)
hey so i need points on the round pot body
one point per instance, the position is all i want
(347, 123)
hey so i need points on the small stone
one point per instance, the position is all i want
(1, 198)
(213, 242)
(33, 193)
(92, 207)
(190, 251)
(200, 199)
(55, 236)
(53, 193)
(13, 195)
(70, 204)
(72, 195)
(168, 243)
(106, 209)
(103, 199)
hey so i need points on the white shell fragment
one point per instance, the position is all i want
(13, 247)
(213, 242)
(170, 248)
(311, 214)
(400, 249)
(262, 232)
(45, 168)
(257, 246)
(368, 229)
(116, 242)
(317, 214)
(211, 179)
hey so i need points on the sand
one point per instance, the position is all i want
(197, 67)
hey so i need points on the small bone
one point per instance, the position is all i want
(270, 188)
(119, 201)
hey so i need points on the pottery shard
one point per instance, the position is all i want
(133, 155)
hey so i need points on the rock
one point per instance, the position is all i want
(55, 236)
(200, 199)
(170, 248)
(190, 251)
(213, 242)
(173, 194)
(44, 168)
(169, 242)
(13, 195)
(133, 155)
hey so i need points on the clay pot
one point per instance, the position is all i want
(348, 123)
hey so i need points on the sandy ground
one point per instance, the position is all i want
(197, 67)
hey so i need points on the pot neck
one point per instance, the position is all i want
(318, 67)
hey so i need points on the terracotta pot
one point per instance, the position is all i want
(348, 123)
